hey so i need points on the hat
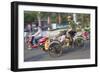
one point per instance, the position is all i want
(69, 17)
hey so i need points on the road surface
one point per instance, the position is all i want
(68, 54)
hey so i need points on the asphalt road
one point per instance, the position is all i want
(68, 54)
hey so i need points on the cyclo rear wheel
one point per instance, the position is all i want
(55, 49)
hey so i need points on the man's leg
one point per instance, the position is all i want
(37, 38)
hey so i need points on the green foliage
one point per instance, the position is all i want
(53, 19)
(84, 19)
(30, 16)
(44, 15)
(64, 18)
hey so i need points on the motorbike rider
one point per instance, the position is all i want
(33, 38)
(37, 35)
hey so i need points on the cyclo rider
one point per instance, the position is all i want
(72, 30)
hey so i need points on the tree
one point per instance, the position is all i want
(84, 19)
(30, 16)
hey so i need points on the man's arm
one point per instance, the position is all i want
(38, 32)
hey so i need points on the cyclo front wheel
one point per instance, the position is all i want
(79, 42)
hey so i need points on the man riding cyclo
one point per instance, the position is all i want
(67, 36)
(71, 30)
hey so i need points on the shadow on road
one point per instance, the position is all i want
(69, 50)
(36, 58)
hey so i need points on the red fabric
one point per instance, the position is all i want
(34, 46)
(42, 40)
(85, 35)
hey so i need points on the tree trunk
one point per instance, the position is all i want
(39, 19)
(59, 19)
(74, 18)
(49, 21)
